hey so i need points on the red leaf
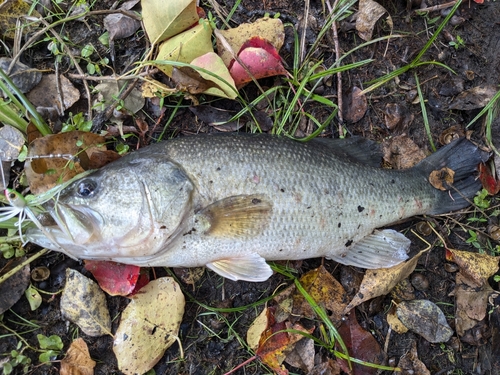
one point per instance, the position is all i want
(490, 183)
(116, 279)
(361, 344)
(261, 59)
(273, 343)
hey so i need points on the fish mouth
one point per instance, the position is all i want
(77, 224)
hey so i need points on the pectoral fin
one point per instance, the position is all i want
(381, 249)
(237, 216)
(251, 267)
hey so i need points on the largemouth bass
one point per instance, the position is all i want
(231, 202)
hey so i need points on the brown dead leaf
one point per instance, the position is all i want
(442, 179)
(354, 105)
(46, 93)
(369, 13)
(470, 303)
(476, 97)
(360, 344)
(302, 355)
(410, 364)
(46, 172)
(381, 281)
(325, 290)
(474, 266)
(330, 367)
(77, 360)
(401, 152)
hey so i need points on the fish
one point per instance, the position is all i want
(232, 202)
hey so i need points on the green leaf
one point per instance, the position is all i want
(47, 356)
(87, 51)
(53, 342)
(34, 298)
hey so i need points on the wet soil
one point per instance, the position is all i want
(213, 324)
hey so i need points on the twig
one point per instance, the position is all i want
(99, 120)
(436, 7)
(17, 268)
(339, 75)
(86, 77)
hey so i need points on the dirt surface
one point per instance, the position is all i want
(213, 324)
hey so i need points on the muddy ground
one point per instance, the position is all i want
(209, 336)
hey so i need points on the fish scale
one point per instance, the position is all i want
(232, 201)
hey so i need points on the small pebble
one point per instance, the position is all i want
(450, 267)
(420, 282)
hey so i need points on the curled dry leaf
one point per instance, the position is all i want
(149, 325)
(186, 46)
(77, 360)
(426, 319)
(84, 303)
(381, 281)
(368, 15)
(162, 22)
(45, 173)
(395, 323)
(442, 179)
(474, 266)
(230, 41)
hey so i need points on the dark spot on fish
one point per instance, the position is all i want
(153, 331)
(392, 181)
(282, 190)
(256, 201)
(308, 207)
(210, 182)
(359, 226)
(370, 183)
(163, 227)
(218, 169)
(339, 225)
(348, 243)
(190, 232)
(361, 208)
(280, 250)
(327, 191)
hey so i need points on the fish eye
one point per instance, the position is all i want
(86, 188)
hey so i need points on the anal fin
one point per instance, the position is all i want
(381, 249)
(251, 267)
(236, 216)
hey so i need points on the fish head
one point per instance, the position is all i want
(126, 212)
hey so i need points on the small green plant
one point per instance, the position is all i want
(92, 66)
(481, 199)
(76, 122)
(457, 43)
(16, 360)
(50, 347)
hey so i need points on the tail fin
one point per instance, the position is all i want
(463, 157)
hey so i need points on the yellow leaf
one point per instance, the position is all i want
(163, 20)
(186, 46)
(149, 326)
